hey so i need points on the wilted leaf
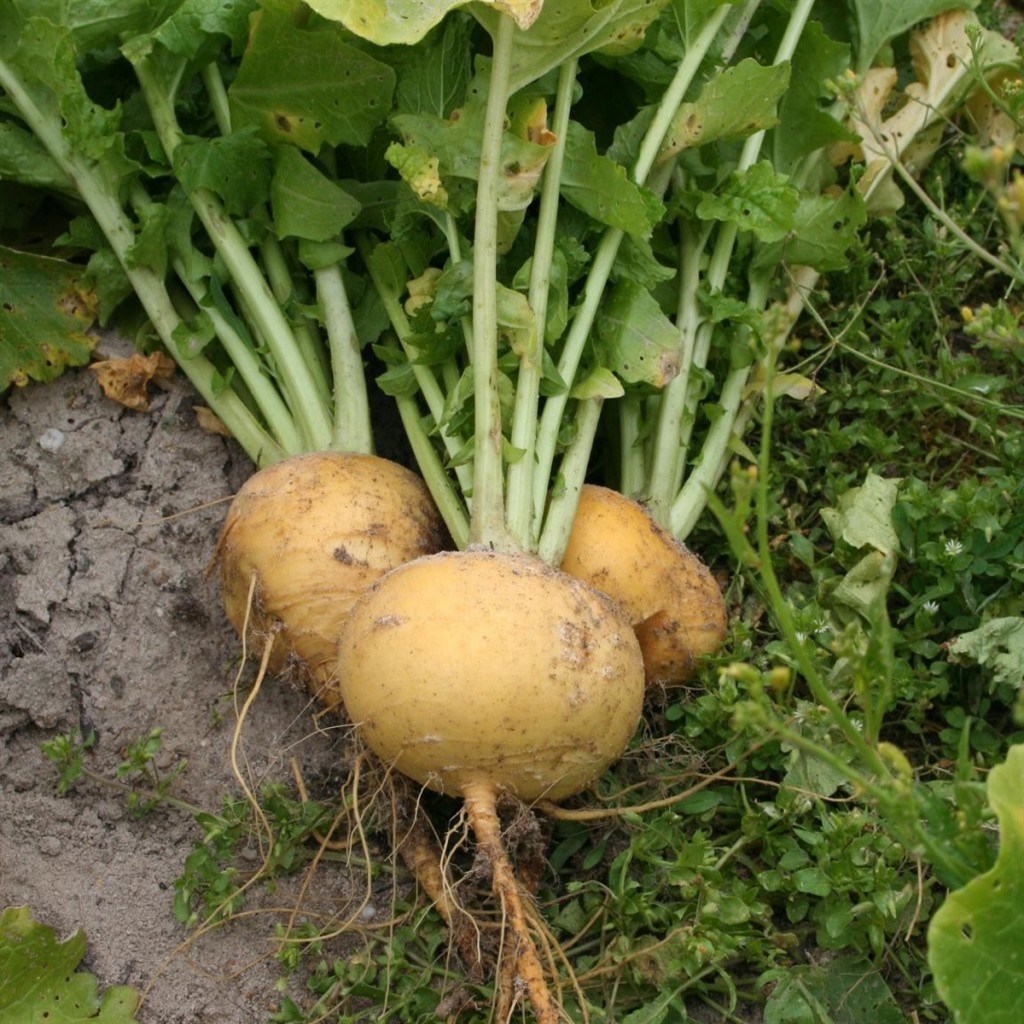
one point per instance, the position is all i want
(878, 21)
(44, 318)
(943, 55)
(997, 644)
(126, 381)
(39, 980)
(864, 516)
(866, 583)
(209, 421)
(976, 938)
(420, 171)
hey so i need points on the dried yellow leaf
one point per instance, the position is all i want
(127, 381)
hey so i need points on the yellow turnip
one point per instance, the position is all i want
(475, 668)
(480, 674)
(314, 531)
(671, 598)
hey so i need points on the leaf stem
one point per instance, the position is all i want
(352, 428)
(304, 396)
(487, 518)
(604, 258)
(519, 500)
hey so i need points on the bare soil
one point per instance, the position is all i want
(110, 625)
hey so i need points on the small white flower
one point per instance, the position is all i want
(801, 637)
(931, 607)
(953, 547)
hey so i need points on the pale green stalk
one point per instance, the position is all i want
(449, 369)
(249, 368)
(352, 429)
(431, 391)
(301, 390)
(604, 258)
(487, 516)
(447, 499)
(571, 476)
(679, 406)
(307, 340)
(278, 275)
(666, 464)
(633, 470)
(519, 499)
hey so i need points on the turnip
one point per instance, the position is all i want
(491, 670)
(305, 537)
(673, 601)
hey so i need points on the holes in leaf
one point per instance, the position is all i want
(967, 932)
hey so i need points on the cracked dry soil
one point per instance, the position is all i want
(109, 625)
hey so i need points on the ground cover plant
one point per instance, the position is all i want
(586, 242)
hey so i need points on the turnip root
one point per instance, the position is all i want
(479, 667)
(316, 530)
(672, 600)
(478, 673)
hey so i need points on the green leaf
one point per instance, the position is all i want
(846, 990)
(976, 938)
(197, 30)
(825, 228)
(39, 980)
(637, 341)
(308, 86)
(456, 141)
(433, 78)
(804, 126)
(23, 159)
(96, 23)
(757, 200)
(235, 167)
(599, 383)
(45, 318)
(997, 644)
(601, 188)
(517, 325)
(864, 515)
(736, 103)
(46, 58)
(306, 203)
(571, 28)
(879, 21)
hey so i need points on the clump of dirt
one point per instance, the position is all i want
(110, 626)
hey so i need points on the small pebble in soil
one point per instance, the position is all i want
(50, 846)
(51, 440)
